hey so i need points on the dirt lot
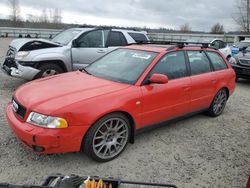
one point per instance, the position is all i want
(197, 152)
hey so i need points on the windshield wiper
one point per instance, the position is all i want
(84, 69)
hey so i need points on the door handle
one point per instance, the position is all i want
(186, 87)
(214, 81)
(101, 51)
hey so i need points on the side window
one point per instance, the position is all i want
(173, 65)
(216, 44)
(199, 62)
(117, 39)
(217, 61)
(222, 44)
(92, 39)
(138, 37)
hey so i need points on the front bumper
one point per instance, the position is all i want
(50, 140)
(241, 71)
(14, 69)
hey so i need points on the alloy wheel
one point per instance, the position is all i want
(220, 102)
(110, 138)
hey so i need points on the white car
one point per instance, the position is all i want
(70, 50)
(222, 47)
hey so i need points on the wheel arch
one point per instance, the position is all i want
(227, 90)
(128, 115)
(57, 62)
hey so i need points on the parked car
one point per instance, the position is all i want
(101, 108)
(222, 47)
(218, 44)
(241, 64)
(239, 46)
(70, 50)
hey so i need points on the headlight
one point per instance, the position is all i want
(46, 121)
(20, 55)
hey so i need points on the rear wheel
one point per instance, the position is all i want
(48, 69)
(107, 138)
(218, 104)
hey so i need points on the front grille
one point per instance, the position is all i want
(11, 53)
(245, 62)
(18, 109)
(9, 62)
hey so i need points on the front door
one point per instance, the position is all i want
(166, 101)
(90, 47)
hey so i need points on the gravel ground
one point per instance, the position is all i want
(196, 152)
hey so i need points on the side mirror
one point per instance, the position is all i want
(158, 79)
(75, 43)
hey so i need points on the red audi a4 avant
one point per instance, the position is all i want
(100, 108)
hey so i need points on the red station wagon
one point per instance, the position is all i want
(102, 107)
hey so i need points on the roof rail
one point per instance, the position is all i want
(179, 44)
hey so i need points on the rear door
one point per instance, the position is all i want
(203, 80)
(166, 101)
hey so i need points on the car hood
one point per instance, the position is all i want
(243, 55)
(18, 44)
(53, 93)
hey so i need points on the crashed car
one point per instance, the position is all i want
(241, 64)
(70, 50)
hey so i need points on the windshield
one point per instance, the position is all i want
(122, 65)
(66, 36)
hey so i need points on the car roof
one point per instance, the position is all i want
(92, 28)
(163, 48)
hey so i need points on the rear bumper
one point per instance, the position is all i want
(50, 140)
(14, 69)
(242, 72)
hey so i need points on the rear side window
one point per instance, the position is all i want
(138, 37)
(199, 62)
(173, 65)
(217, 61)
(117, 39)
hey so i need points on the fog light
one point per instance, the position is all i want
(38, 148)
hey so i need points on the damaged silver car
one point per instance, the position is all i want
(70, 50)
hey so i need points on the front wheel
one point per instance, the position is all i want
(107, 138)
(218, 104)
(48, 69)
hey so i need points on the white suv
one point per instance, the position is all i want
(70, 50)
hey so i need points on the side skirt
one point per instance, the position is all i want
(162, 124)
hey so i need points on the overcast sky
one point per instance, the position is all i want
(199, 14)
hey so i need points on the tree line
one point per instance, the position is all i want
(49, 16)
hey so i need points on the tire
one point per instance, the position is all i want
(107, 138)
(48, 69)
(219, 102)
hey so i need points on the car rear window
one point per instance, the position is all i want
(217, 61)
(117, 39)
(138, 37)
